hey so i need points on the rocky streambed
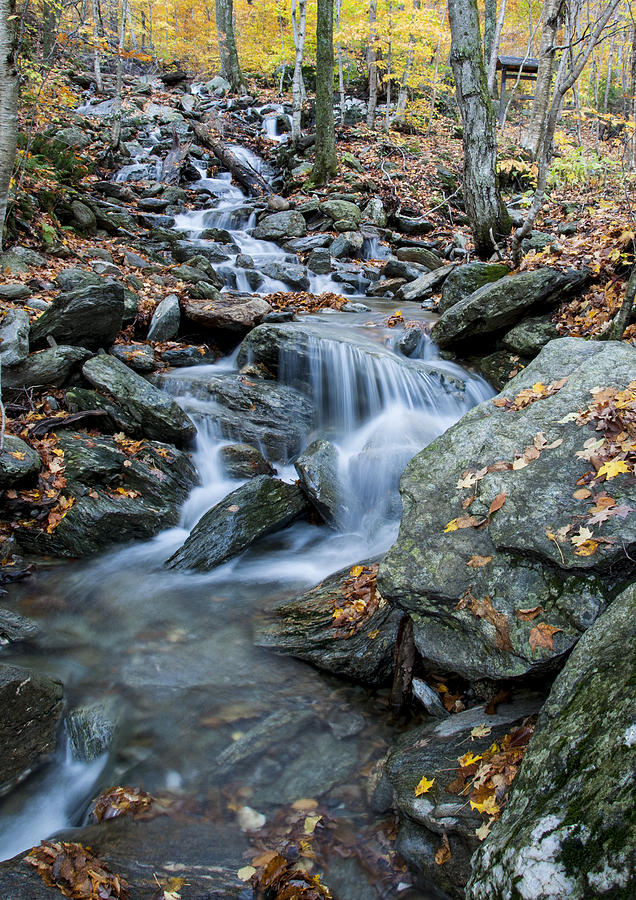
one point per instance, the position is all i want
(248, 624)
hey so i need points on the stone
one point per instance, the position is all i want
(14, 293)
(155, 414)
(92, 729)
(83, 217)
(166, 320)
(347, 244)
(395, 268)
(568, 829)
(386, 286)
(73, 137)
(156, 479)
(499, 367)
(412, 225)
(140, 357)
(342, 211)
(19, 260)
(467, 279)
(530, 336)
(19, 462)
(16, 629)
(244, 461)
(14, 336)
(318, 471)
(258, 508)
(311, 242)
(31, 710)
(375, 213)
(48, 368)
(277, 203)
(73, 279)
(421, 255)
(294, 276)
(493, 307)
(537, 240)
(88, 317)
(226, 312)
(429, 698)
(466, 619)
(319, 261)
(289, 224)
(424, 285)
(218, 84)
(304, 628)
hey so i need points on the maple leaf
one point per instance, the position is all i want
(480, 731)
(488, 806)
(468, 759)
(424, 785)
(467, 481)
(583, 535)
(356, 571)
(613, 468)
(483, 831)
(542, 636)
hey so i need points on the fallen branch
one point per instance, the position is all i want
(246, 176)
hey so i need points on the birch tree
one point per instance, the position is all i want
(299, 25)
(551, 14)
(372, 65)
(9, 86)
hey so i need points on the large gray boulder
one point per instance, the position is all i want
(88, 317)
(294, 276)
(318, 471)
(342, 211)
(530, 336)
(155, 415)
(421, 287)
(289, 224)
(569, 829)
(509, 592)
(120, 495)
(467, 279)
(166, 319)
(494, 307)
(306, 628)
(226, 312)
(48, 368)
(31, 709)
(14, 336)
(257, 508)
(18, 461)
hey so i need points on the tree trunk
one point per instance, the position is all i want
(249, 178)
(494, 52)
(49, 27)
(403, 93)
(116, 132)
(341, 90)
(325, 163)
(9, 86)
(543, 84)
(97, 66)
(622, 317)
(230, 68)
(633, 99)
(486, 212)
(372, 58)
(490, 25)
(299, 17)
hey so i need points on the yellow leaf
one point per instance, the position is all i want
(483, 831)
(246, 873)
(468, 759)
(481, 731)
(587, 548)
(356, 571)
(452, 526)
(488, 806)
(16, 454)
(612, 468)
(310, 823)
(424, 785)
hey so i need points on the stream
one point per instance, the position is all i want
(172, 653)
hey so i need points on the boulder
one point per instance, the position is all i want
(213, 252)
(434, 750)
(218, 83)
(74, 279)
(289, 224)
(72, 137)
(31, 710)
(15, 293)
(88, 317)
(19, 462)
(295, 276)
(226, 312)
(14, 336)
(423, 285)
(140, 357)
(530, 336)
(19, 260)
(347, 244)
(83, 217)
(342, 211)
(16, 629)
(375, 213)
(412, 224)
(306, 628)
(499, 367)
(478, 317)
(318, 470)
(259, 507)
(121, 494)
(508, 592)
(48, 368)
(420, 255)
(92, 729)
(319, 261)
(244, 461)
(395, 268)
(156, 416)
(568, 829)
(166, 319)
(467, 279)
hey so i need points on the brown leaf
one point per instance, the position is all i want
(542, 636)
(483, 609)
(527, 615)
(476, 562)
(497, 503)
(443, 853)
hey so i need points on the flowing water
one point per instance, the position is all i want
(174, 651)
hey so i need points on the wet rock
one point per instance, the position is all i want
(347, 244)
(192, 355)
(277, 203)
(467, 279)
(396, 268)
(342, 211)
(568, 829)
(212, 252)
(385, 287)
(226, 312)
(317, 469)
(311, 242)
(412, 225)
(422, 286)
(281, 225)
(499, 367)
(119, 496)
(429, 698)
(466, 619)
(140, 357)
(15, 293)
(255, 509)
(305, 629)
(69, 280)
(19, 260)
(420, 255)
(294, 276)
(156, 415)
(19, 462)
(244, 461)
(275, 729)
(530, 336)
(91, 729)
(88, 317)
(319, 261)
(166, 319)
(16, 629)
(496, 306)
(31, 709)
(47, 368)
(433, 750)
(14, 336)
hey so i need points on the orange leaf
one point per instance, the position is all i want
(497, 503)
(542, 636)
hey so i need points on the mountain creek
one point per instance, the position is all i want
(257, 632)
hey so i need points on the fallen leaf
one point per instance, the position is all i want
(582, 535)
(613, 468)
(582, 494)
(246, 873)
(497, 503)
(480, 731)
(443, 853)
(424, 785)
(356, 571)
(527, 615)
(468, 759)
(310, 824)
(476, 562)
(233, 508)
(483, 831)
(542, 636)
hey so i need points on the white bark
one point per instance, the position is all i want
(97, 66)
(341, 90)
(543, 85)
(492, 63)
(372, 67)
(299, 21)
(9, 86)
(116, 133)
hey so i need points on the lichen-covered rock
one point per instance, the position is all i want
(259, 507)
(166, 319)
(48, 368)
(88, 317)
(506, 593)
(289, 224)
(494, 307)
(305, 628)
(14, 336)
(155, 414)
(243, 461)
(530, 336)
(342, 211)
(569, 829)
(467, 279)
(19, 462)
(31, 708)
